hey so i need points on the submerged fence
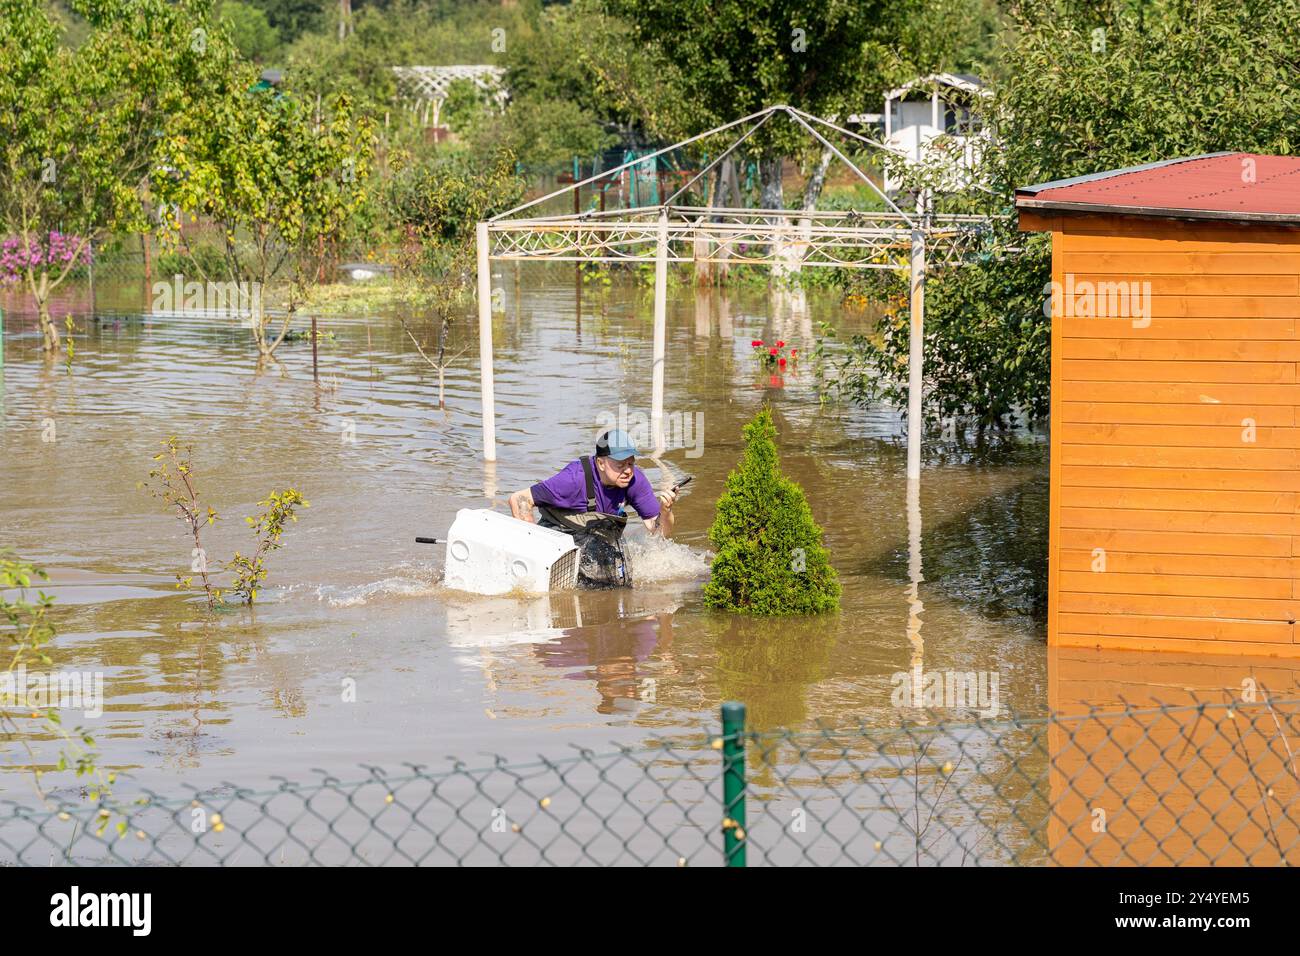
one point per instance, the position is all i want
(1212, 784)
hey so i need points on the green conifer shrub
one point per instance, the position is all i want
(769, 554)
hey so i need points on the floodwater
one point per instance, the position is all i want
(355, 654)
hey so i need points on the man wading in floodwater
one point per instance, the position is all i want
(587, 500)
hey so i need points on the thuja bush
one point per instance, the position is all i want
(770, 559)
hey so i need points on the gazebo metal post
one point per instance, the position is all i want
(485, 345)
(916, 343)
(661, 325)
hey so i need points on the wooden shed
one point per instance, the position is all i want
(1175, 439)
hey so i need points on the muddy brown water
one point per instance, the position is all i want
(242, 696)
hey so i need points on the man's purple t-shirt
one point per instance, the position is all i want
(568, 491)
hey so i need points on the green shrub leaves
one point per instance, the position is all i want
(770, 559)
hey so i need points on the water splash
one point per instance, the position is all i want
(655, 559)
(361, 594)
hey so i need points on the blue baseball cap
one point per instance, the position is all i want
(617, 444)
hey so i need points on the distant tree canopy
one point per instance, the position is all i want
(1093, 86)
(727, 58)
(1080, 87)
(292, 18)
(250, 30)
(713, 61)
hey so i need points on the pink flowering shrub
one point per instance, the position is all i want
(55, 252)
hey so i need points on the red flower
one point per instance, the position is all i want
(780, 345)
(756, 342)
(781, 363)
(794, 352)
(771, 351)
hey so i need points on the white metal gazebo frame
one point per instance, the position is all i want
(425, 88)
(784, 239)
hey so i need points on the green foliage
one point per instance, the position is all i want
(545, 134)
(171, 480)
(986, 341)
(249, 28)
(79, 127)
(935, 36)
(682, 66)
(204, 258)
(464, 104)
(402, 33)
(733, 57)
(28, 625)
(1082, 87)
(770, 559)
(290, 175)
(250, 572)
(557, 110)
(26, 629)
(292, 18)
(1103, 85)
(437, 203)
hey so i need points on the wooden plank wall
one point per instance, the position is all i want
(1175, 446)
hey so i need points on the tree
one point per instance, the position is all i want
(1081, 87)
(731, 58)
(249, 28)
(292, 18)
(1102, 85)
(281, 177)
(770, 558)
(556, 108)
(436, 205)
(79, 128)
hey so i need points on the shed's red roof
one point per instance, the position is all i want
(1239, 186)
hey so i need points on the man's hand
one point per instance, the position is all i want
(663, 524)
(521, 505)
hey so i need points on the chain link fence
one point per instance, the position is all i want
(1210, 784)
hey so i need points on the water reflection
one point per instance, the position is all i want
(914, 575)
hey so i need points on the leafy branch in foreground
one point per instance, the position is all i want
(27, 629)
(172, 481)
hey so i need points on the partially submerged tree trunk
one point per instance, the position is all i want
(772, 197)
(811, 193)
(812, 190)
(42, 287)
(41, 293)
(728, 194)
(704, 245)
(769, 174)
(441, 363)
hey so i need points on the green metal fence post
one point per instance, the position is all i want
(733, 783)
